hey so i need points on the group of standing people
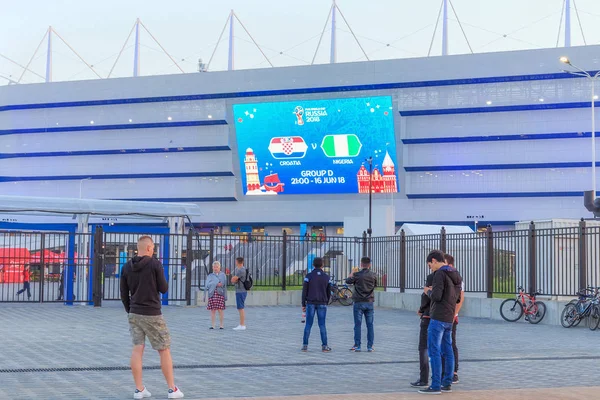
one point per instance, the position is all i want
(215, 288)
(316, 292)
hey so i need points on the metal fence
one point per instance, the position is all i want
(72, 267)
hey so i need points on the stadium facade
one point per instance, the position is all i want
(494, 138)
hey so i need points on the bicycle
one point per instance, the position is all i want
(342, 294)
(586, 305)
(512, 310)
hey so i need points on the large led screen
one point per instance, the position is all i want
(317, 146)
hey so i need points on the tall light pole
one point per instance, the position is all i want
(580, 72)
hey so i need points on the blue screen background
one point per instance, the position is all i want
(370, 118)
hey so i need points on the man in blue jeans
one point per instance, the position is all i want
(364, 283)
(444, 294)
(316, 292)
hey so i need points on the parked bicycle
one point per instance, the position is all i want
(512, 310)
(586, 305)
(342, 293)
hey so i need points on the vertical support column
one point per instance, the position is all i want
(83, 248)
(230, 65)
(582, 254)
(443, 239)
(532, 245)
(49, 57)
(98, 267)
(189, 258)
(70, 275)
(402, 261)
(489, 261)
(568, 25)
(42, 265)
(136, 53)
(211, 250)
(364, 243)
(333, 52)
(284, 262)
(445, 29)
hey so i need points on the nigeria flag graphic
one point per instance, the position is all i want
(341, 145)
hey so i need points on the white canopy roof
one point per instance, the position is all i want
(56, 205)
(423, 229)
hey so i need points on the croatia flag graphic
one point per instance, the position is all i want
(288, 147)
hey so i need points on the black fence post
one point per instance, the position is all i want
(364, 241)
(532, 258)
(98, 255)
(582, 254)
(284, 262)
(489, 262)
(211, 250)
(189, 258)
(42, 265)
(402, 261)
(443, 239)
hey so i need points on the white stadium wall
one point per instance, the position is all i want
(497, 137)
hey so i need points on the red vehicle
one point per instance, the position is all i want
(513, 309)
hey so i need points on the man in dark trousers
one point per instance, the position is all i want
(423, 312)
(316, 292)
(364, 282)
(450, 261)
(142, 278)
(444, 294)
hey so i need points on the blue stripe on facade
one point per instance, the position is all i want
(283, 92)
(496, 138)
(174, 124)
(492, 195)
(500, 166)
(114, 152)
(184, 199)
(491, 109)
(115, 176)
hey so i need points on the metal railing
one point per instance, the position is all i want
(72, 267)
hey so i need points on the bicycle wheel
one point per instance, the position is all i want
(594, 317)
(537, 312)
(569, 315)
(334, 296)
(345, 297)
(511, 310)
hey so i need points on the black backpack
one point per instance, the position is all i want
(248, 282)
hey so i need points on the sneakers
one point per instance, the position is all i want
(419, 383)
(370, 349)
(355, 349)
(455, 379)
(326, 349)
(304, 349)
(141, 394)
(175, 393)
(429, 390)
(447, 389)
(240, 328)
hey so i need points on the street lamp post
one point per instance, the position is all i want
(592, 78)
(370, 161)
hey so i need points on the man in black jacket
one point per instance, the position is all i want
(316, 292)
(444, 294)
(364, 283)
(423, 312)
(142, 278)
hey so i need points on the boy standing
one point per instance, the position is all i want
(238, 279)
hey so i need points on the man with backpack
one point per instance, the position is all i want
(444, 294)
(243, 282)
(316, 292)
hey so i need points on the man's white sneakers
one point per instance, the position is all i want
(175, 393)
(240, 328)
(144, 394)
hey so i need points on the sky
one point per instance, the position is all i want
(287, 31)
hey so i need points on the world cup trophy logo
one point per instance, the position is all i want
(299, 111)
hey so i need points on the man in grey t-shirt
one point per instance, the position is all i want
(238, 278)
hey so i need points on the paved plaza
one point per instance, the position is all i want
(51, 351)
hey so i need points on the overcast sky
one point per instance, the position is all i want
(288, 32)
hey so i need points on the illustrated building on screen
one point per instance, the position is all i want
(385, 183)
(252, 178)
